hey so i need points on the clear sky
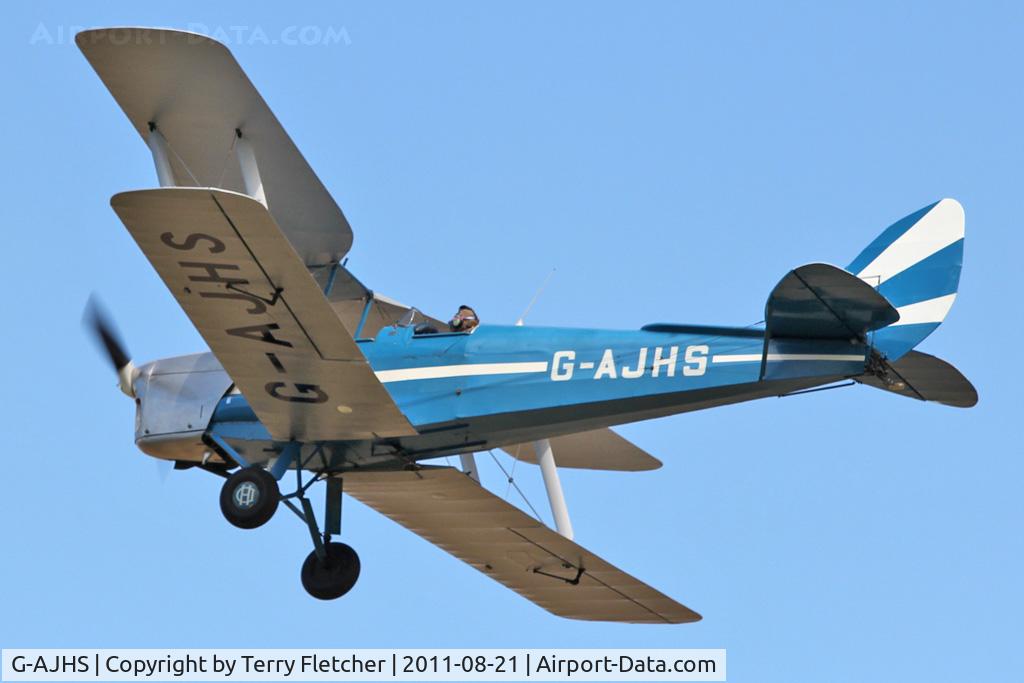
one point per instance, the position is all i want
(672, 161)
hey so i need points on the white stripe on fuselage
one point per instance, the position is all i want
(469, 370)
(756, 357)
(483, 369)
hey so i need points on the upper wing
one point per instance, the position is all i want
(599, 449)
(451, 510)
(197, 95)
(229, 266)
(192, 89)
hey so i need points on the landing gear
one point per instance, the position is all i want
(333, 576)
(331, 569)
(249, 497)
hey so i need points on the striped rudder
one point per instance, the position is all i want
(915, 264)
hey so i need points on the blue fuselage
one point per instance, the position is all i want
(501, 384)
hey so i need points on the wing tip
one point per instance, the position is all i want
(969, 399)
(649, 466)
(690, 618)
(142, 35)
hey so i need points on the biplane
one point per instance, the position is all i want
(313, 376)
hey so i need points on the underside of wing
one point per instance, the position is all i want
(191, 89)
(187, 92)
(250, 296)
(599, 449)
(451, 510)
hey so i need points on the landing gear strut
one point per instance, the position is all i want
(250, 497)
(332, 569)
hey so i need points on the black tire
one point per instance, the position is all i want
(249, 498)
(334, 578)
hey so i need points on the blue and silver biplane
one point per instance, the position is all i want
(313, 376)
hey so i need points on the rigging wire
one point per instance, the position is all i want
(224, 164)
(182, 161)
(515, 461)
(512, 482)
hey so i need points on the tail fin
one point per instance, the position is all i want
(915, 264)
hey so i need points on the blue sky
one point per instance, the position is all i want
(672, 161)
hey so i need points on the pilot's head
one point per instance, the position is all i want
(464, 321)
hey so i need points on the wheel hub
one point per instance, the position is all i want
(246, 495)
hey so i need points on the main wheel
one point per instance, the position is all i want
(249, 497)
(333, 578)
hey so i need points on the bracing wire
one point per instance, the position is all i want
(512, 483)
(183, 164)
(515, 462)
(224, 164)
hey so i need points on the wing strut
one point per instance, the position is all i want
(548, 469)
(468, 461)
(250, 170)
(157, 144)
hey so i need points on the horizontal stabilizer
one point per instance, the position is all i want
(926, 378)
(449, 509)
(599, 449)
(820, 301)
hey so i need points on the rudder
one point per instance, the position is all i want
(915, 264)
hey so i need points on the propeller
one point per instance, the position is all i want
(103, 330)
(163, 468)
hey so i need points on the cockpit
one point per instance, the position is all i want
(463, 322)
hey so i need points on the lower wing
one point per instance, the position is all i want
(452, 511)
